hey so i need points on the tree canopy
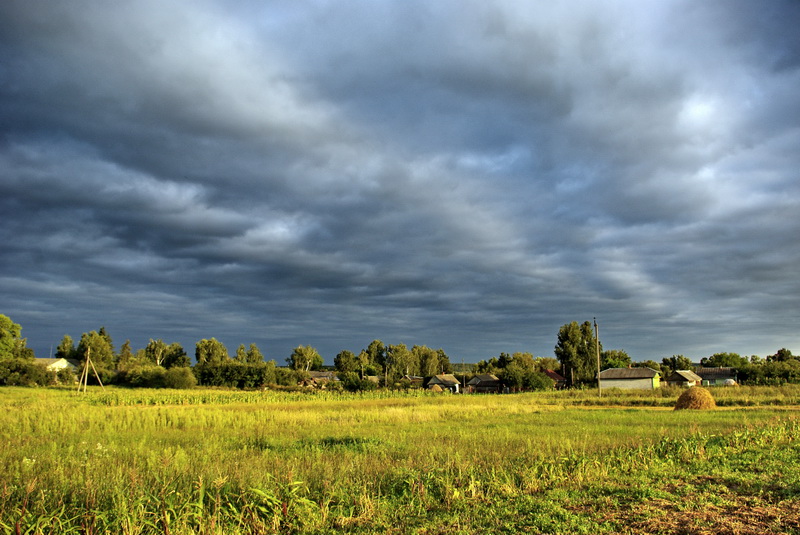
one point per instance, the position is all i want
(12, 345)
(305, 358)
(576, 351)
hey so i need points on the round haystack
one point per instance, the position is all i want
(435, 388)
(696, 397)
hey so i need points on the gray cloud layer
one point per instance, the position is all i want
(457, 174)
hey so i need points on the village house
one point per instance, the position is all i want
(684, 378)
(319, 379)
(639, 378)
(485, 383)
(560, 382)
(56, 365)
(445, 381)
(717, 376)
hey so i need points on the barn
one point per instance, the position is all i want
(638, 378)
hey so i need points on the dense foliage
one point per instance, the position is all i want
(377, 365)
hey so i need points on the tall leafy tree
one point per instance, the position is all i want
(98, 349)
(401, 361)
(305, 358)
(104, 333)
(125, 357)
(175, 357)
(11, 341)
(346, 361)
(575, 350)
(254, 355)
(66, 348)
(676, 362)
(614, 358)
(724, 360)
(376, 355)
(241, 354)
(781, 355)
(427, 360)
(211, 352)
(155, 351)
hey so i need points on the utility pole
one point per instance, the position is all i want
(597, 352)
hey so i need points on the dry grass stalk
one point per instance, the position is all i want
(696, 397)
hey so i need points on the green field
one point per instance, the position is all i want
(206, 461)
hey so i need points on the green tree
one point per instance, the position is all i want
(614, 358)
(546, 363)
(781, 355)
(211, 352)
(401, 361)
(428, 360)
(175, 357)
(254, 355)
(66, 349)
(102, 332)
(724, 360)
(125, 357)
(649, 364)
(155, 351)
(676, 362)
(11, 341)
(575, 350)
(305, 358)
(96, 347)
(346, 361)
(376, 355)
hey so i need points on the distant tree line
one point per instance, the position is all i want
(160, 364)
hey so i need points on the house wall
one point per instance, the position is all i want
(642, 384)
(60, 365)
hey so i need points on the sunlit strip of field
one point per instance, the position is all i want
(261, 463)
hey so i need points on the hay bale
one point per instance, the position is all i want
(435, 388)
(696, 397)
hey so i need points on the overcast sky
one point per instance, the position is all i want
(466, 175)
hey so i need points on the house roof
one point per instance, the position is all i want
(446, 379)
(323, 375)
(51, 361)
(628, 373)
(716, 373)
(684, 375)
(484, 378)
(557, 377)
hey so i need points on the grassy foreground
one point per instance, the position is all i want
(215, 462)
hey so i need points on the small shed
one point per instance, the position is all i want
(684, 378)
(414, 380)
(485, 383)
(638, 378)
(445, 381)
(319, 379)
(560, 382)
(718, 376)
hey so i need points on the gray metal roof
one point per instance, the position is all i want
(628, 373)
(685, 375)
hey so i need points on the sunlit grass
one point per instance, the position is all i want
(289, 462)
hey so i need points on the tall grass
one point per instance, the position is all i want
(231, 462)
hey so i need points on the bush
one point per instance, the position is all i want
(696, 397)
(179, 378)
(24, 372)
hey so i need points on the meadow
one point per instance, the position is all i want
(229, 462)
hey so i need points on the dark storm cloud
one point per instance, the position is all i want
(456, 174)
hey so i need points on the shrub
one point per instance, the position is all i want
(180, 377)
(24, 372)
(696, 397)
